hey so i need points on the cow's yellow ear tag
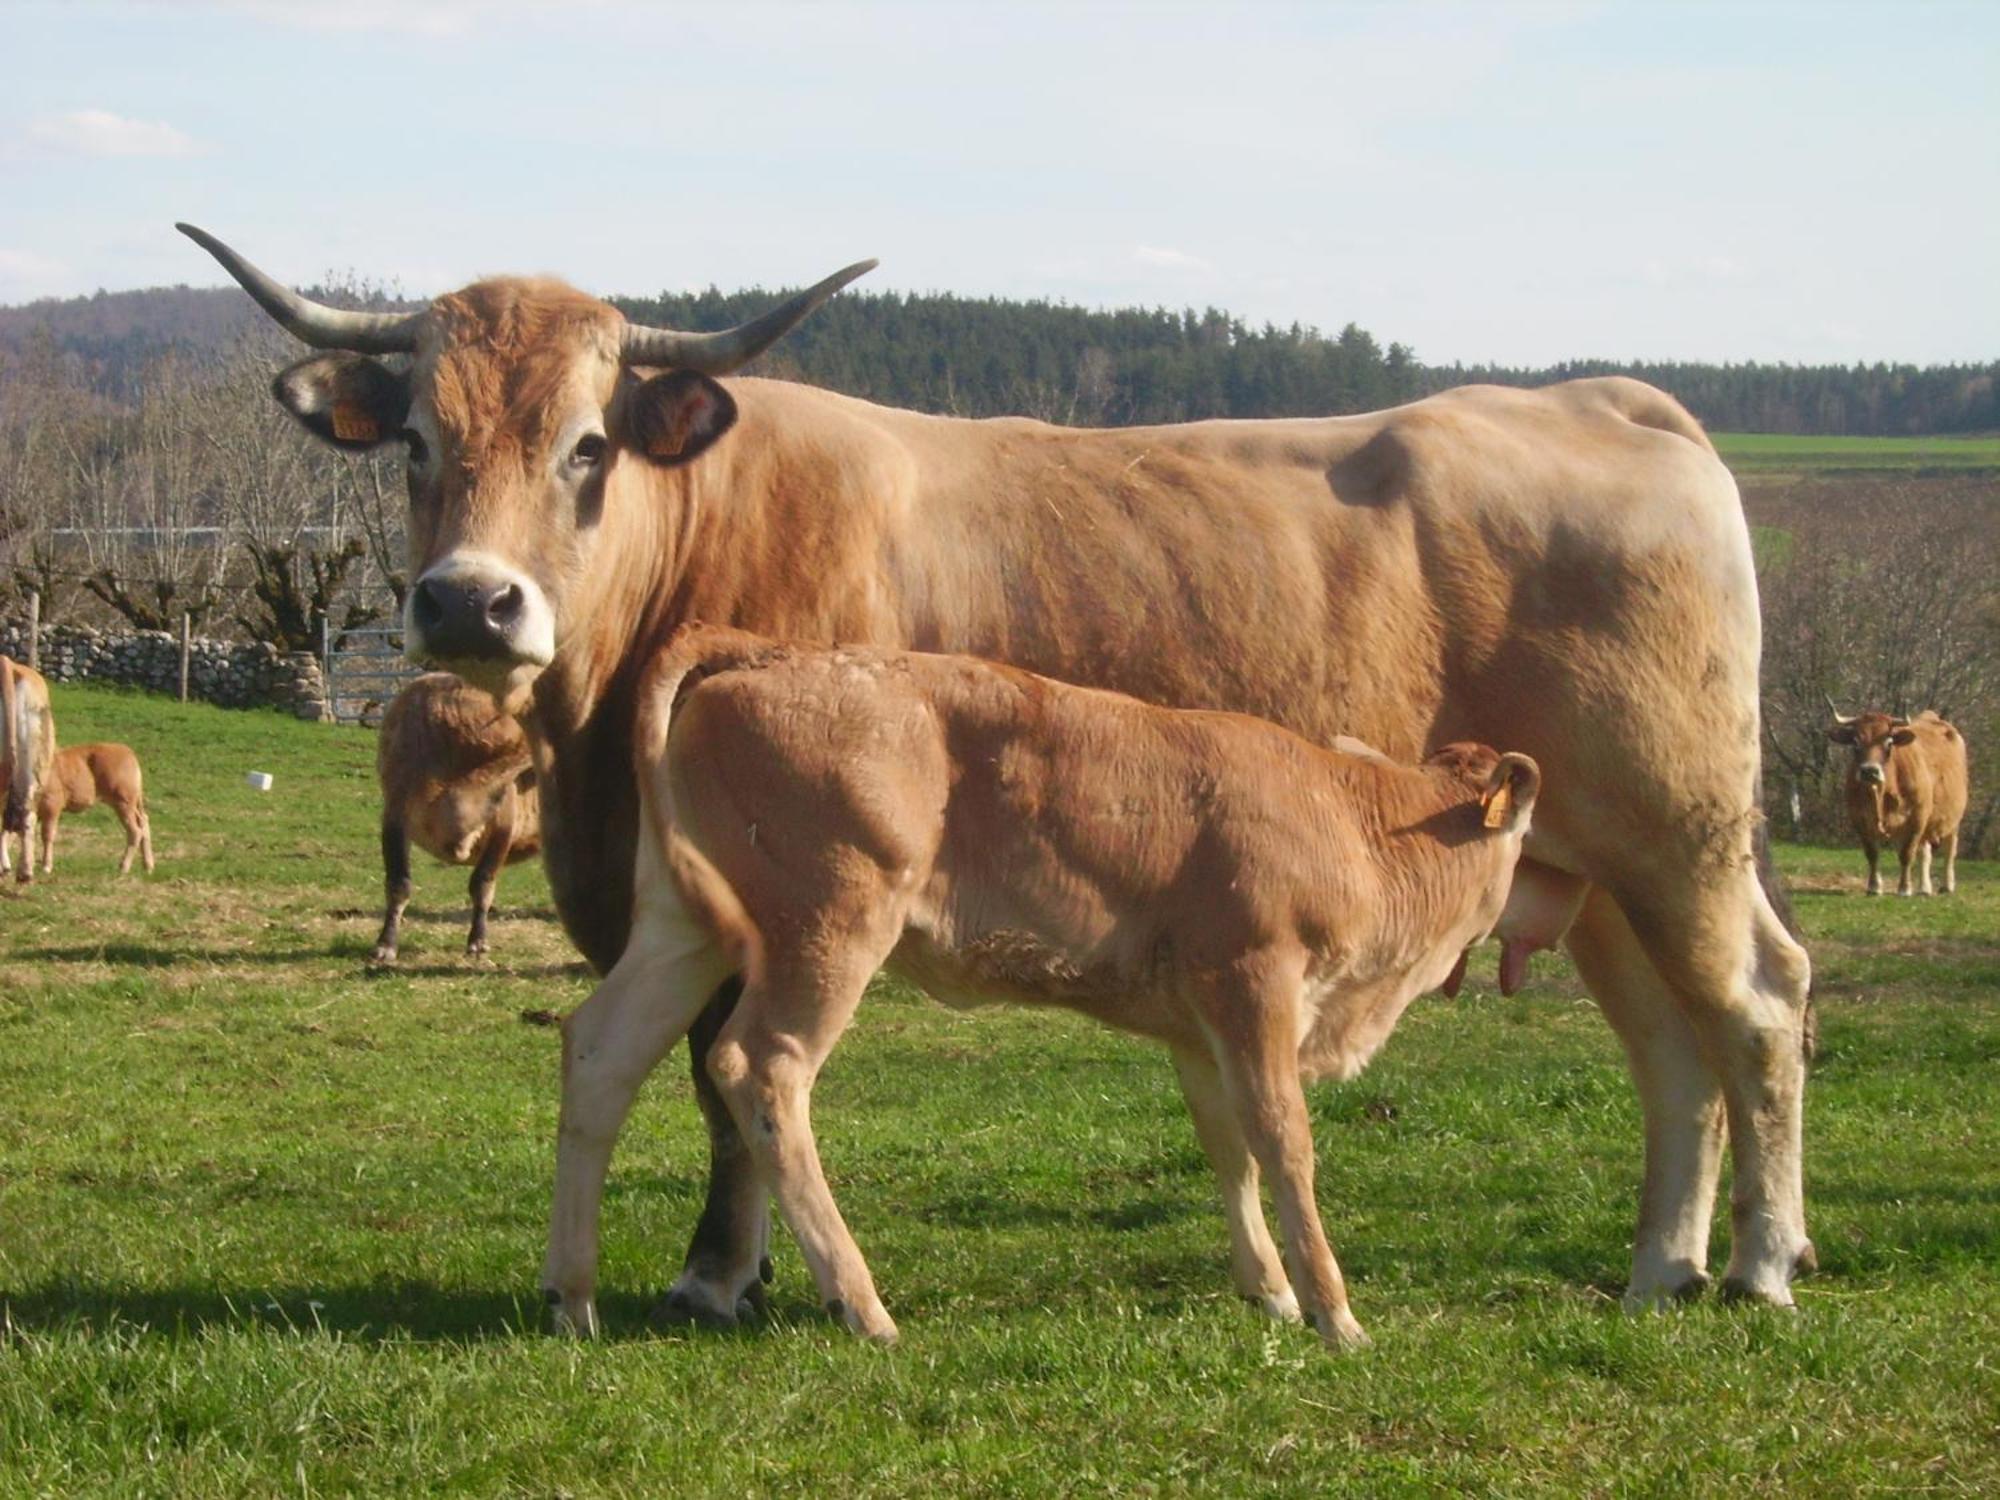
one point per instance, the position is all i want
(1499, 802)
(353, 424)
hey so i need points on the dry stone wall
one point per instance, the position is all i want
(234, 674)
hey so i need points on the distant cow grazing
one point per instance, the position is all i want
(83, 776)
(1264, 907)
(1906, 787)
(27, 750)
(456, 777)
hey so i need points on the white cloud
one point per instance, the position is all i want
(1172, 260)
(98, 132)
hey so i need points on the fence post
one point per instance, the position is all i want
(35, 629)
(326, 667)
(187, 646)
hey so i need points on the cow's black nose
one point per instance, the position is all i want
(463, 616)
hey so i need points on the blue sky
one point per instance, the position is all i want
(1509, 182)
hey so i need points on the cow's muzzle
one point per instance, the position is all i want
(1870, 774)
(474, 614)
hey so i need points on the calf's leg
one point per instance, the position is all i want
(50, 819)
(1251, 1015)
(485, 872)
(764, 1064)
(135, 834)
(1254, 1263)
(396, 887)
(610, 1043)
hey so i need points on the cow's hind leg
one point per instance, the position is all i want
(396, 888)
(1254, 1263)
(1742, 982)
(49, 825)
(135, 835)
(1678, 1097)
(1251, 1014)
(1951, 862)
(764, 1063)
(1924, 867)
(610, 1043)
(485, 872)
(146, 836)
(728, 1259)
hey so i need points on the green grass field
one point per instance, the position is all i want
(1766, 452)
(270, 1224)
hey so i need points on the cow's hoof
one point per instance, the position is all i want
(694, 1305)
(1279, 1307)
(475, 950)
(1806, 1262)
(572, 1317)
(1340, 1333)
(383, 954)
(1736, 1289)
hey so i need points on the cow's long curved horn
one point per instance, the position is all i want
(317, 324)
(719, 353)
(1838, 716)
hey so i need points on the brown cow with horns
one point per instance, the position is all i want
(1563, 571)
(1906, 787)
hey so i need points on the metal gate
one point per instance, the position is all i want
(364, 669)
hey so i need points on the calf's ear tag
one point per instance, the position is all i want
(1499, 803)
(353, 424)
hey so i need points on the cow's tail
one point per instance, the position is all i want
(14, 750)
(694, 653)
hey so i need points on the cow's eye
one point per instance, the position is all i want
(589, 450)
(414, 441)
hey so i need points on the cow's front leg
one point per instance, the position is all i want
(728, 1262)
(610, 1043)
(396, 888)
(1924, 867)
(1905, 856)
(1951, 862)
(1874, 854)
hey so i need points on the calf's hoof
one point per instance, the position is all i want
(475, 948)
(696, 1304)
(385, 953)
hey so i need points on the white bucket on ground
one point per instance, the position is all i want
(260, 780)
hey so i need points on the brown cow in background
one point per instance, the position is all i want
(27, 749)
(456, 777)
(1906, 786)
(83, 776)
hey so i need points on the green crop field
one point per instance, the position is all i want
(1771, 452)
(271, 1224)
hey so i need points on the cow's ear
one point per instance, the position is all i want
(1840, 734)
(675, 417)
(1901, 736)
(349, 400)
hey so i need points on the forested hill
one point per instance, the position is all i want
(981, 357)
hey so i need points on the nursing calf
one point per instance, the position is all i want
(456, 777)
(80, 777)
(1264, 907)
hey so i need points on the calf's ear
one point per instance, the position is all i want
(349, 400)
(675, 417)
(1510, 791)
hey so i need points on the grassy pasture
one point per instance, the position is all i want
(271, 1224)
(1777, 452)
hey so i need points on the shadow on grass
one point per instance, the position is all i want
(148, 956)
(387, 1312)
